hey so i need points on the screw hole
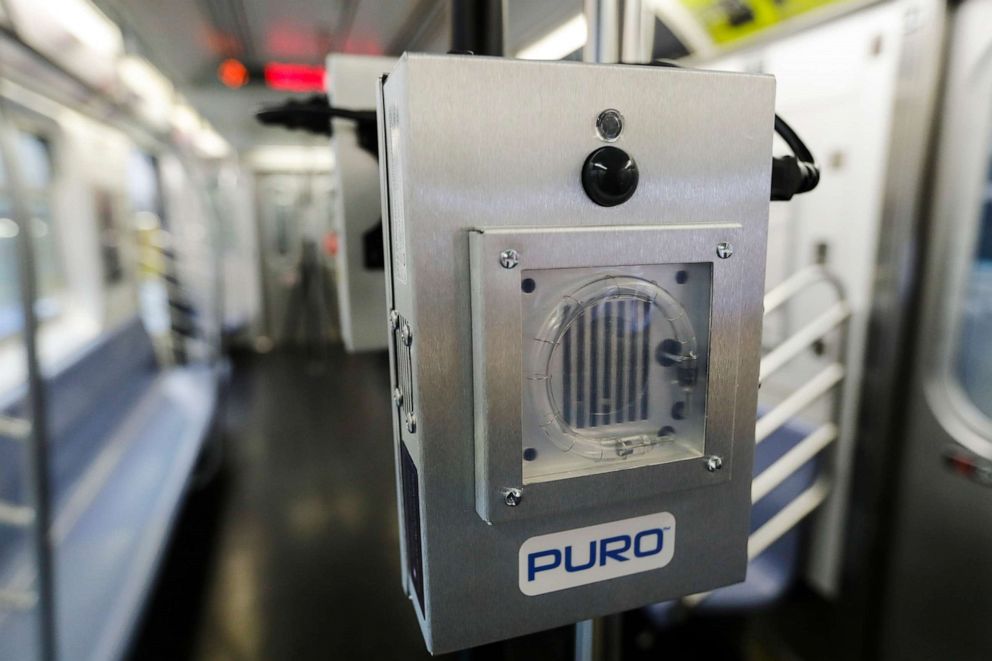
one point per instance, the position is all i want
(528, 285)
(530, 454)
(682, 277)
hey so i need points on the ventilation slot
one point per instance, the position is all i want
(411, 524)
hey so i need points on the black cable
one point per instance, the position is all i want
(314, 114)
(795, 143)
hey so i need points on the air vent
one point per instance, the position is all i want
(411, 523)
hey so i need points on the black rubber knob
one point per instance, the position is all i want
(609, 176)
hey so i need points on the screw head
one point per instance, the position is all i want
(512, 497)
(394, 319)
(724, 250)
(714, 463)
(398, 397)
(509, 259)
(411, 422)
(406, 335)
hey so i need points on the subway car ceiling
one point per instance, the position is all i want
(255, 33)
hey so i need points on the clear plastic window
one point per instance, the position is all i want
(615, 367)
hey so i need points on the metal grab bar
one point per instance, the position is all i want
(775, 359)
(799, 281)
(16, 515)
(787, 518)
(818, 386)
(17, 600)
(17, 429)
(792, 460)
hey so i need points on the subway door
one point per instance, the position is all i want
(293, 208)
(938, 599)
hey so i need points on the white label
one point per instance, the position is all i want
(596, 553)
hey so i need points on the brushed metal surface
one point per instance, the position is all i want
(476, 143)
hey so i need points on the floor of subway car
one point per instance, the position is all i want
(289, 550)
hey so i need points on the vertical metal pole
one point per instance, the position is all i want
(598, 639)
(478, 26)
(38, 444)
(602, 46)
(585, 641)
(632, 30)
(603, 21)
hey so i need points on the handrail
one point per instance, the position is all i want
(797, 282)
(787, 518)
(792, 460)
(815, 388)
(778, 357)
(18, 600)
(37, 473)
(17, 429)
(16, 515)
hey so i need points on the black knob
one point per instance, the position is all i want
(609, 176)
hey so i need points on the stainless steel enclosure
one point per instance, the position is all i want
(482, 186)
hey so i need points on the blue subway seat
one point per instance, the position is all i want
(124, 438)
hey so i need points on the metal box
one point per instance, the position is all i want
(361, 293)
(575, 384)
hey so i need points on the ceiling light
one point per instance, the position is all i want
(233, 73)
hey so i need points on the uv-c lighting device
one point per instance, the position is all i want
(575, 261)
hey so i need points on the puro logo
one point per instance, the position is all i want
(567, 559)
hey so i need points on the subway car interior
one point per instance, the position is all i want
(495, 329)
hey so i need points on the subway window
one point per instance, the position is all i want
(34, 161)
(974, 358)
(148, 223)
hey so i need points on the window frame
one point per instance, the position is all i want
(23, 120)
(963, 172)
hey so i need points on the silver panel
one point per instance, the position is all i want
(475, 142)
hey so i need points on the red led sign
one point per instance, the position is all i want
(294, 77)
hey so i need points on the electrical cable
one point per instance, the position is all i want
(314, 115)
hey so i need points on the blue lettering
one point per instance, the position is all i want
(639, 551)
(569, 567)
(533, 567)
(606, 552)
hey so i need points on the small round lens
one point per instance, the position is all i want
(609, 125)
